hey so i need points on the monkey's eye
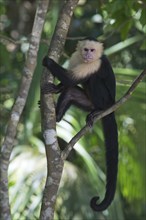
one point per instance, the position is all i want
(85, 49)
(92, 50)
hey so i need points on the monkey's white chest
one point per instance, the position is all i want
(84, 69)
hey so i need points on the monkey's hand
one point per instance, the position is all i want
(51, 88)
(39, 104)
(47, 61)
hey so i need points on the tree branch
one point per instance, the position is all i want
(19, 104)
(85, 129)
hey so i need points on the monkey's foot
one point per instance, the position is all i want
(90, 119)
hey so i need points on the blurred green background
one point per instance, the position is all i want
(120, 25)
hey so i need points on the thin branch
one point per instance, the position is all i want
(85, 129)
(19, 105)
(5, 40)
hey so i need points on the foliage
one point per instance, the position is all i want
(120, 24)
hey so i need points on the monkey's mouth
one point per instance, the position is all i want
(87, 58)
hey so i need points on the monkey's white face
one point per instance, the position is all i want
(88, 54)
(90, 50)
(86, 59)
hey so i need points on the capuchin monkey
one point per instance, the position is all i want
(90, 69)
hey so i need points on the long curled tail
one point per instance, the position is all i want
(111, 143)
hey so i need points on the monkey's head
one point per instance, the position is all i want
(90, 49)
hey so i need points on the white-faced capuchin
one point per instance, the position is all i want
(92, 70)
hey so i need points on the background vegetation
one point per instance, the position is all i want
(120, 25)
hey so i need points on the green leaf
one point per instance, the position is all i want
(143, 17)
(143, 46)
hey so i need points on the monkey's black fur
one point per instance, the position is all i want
(97, 94)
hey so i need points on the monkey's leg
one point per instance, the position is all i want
(75, 96)
(51, 88)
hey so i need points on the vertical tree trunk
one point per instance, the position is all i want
(7, 146)
(53, 153)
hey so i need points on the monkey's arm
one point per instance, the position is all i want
(57, 71)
